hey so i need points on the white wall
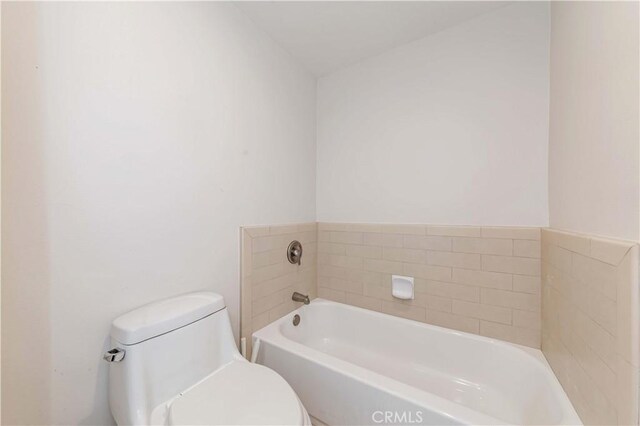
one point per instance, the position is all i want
(0, 215)
(137, 138)
(594, 132)
(452, 128)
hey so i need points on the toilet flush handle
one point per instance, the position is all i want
(114, 355)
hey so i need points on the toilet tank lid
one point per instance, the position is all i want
(163, 316)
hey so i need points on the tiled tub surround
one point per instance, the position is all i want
(268, 279)
(590, 323)
(482, 280)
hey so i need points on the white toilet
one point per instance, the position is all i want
(175, 362)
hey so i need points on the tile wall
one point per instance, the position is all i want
(268, 279)
(590, 323)
(482, 280)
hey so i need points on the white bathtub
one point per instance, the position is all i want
(352, 366)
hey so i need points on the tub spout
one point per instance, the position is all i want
(297, 297)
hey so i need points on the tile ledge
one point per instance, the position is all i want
(607, 249)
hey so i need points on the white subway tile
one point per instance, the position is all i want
(481, 311)
(483, 278)
(526, 248)
(267, 287)
(331, 294)
(259, 321)
(283, 229)
(365, 302)
(269, 272)
(256, 231)
(369, 252)
(510, 299)
(268, 302)
(558, 257)
(527, 319)
(483, 245)
(384, 266)
(345, 261)
(526, 284)
(511, 232)
(378, 290)
(452, 290)
(572, 242)
(430, 272)
(511, 265)
(454, 231)
(404, 255)
(346, 237)
(600, 275)
(427, 243)
(442, 304)
(383, 240)
(609, 251)
(403, 229)
(331, 248)
(458, 260)
(417, 313)
(522, 336)
(267, 258)
(456, 322)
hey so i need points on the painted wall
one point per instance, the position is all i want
(450, 129)
(0, 216)
(594, 133)
(137, 139)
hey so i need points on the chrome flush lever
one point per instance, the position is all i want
(114, 355)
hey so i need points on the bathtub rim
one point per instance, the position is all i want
(272, 334)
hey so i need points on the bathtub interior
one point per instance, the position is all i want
(501, 380)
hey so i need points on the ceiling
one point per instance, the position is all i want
(327, 35)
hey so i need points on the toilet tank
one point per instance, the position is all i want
(169, 346)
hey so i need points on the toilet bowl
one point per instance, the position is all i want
(265, 399)
(175, 362)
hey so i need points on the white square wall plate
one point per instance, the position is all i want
(402, 287)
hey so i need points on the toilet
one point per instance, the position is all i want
(175, 362)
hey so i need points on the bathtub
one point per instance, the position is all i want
(352, 366)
